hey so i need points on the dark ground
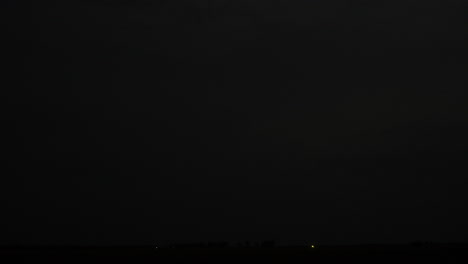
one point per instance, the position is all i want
(334, 254)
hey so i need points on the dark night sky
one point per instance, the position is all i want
(130, 122)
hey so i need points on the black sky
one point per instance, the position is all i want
(130, 122)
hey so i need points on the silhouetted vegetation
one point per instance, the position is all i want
(268, 243)
(200, 245)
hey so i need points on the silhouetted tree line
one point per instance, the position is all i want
(428, 244)
(224, 244)
(268, 244)
(221, 244)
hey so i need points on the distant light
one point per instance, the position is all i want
(312, 246)
(156, 247)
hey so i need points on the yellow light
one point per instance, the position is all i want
(312, 246)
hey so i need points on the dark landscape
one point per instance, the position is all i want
(270, 126)
(324, 254)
